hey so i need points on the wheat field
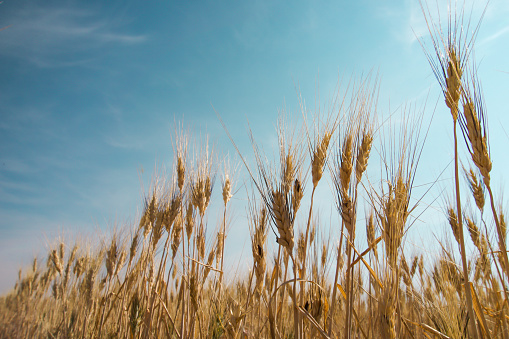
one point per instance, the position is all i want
(166, 277)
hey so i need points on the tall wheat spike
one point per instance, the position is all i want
(452, 50)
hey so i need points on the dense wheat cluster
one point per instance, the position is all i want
(166, 276)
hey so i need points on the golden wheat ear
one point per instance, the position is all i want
(451, 51)
(474, 126)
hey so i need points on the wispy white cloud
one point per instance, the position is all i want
(414, 27)
(126, 143)
(15, 186)
(61, 37)
(417, 28)
(123, 38)
(16, 165)
(16, 198)
(19, 192)
(495, 36)
(407, 21)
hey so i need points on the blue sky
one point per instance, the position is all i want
(90, 92)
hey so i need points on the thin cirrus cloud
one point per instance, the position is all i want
(406, 21)
(494, 36)
(53, 37)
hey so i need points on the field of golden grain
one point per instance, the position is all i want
(165, 278)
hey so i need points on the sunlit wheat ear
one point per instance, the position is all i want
(404, 265)
(275, 187)
(319, 158)
(260, 266)
(476, 133)
(451, 273)
(301, 252)
(79, 266)
(134, 246)
(258, 225)
(171, 211)
(181, 171)
(393, 219)
(179, 144)
(404, 270)
(453, 222)
(157, 229)
(121, 261)
(503, 227)
(287, 173)
(198, 195)
(345, 171)
(283, 219)
(219, 246)
(415, 263)
(453, 82)
(420, 266)
(176, 234)
(347, 213)
(480, 242)
(312, 234)
(476, 188)
(344, 166)
(363, 154)
(210, 261)
(370, 232)
(149, 214)
(200, 242)
(202, 182)
(297, 194)
(208, 190)
(474, 233)
(451, 53)
(61, 251)
(325, 254)
(227, 189)
(111, 257)
(34, 265)
(57, 262)
(189, 219)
